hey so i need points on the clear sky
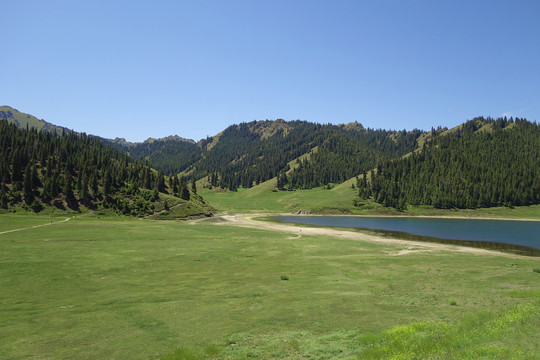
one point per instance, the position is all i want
(139, 69)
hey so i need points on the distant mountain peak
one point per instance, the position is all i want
(22, 120)
(168, 138)
(268, 128)
(122, 141)
(355, 125)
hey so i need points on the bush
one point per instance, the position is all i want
(284, 277)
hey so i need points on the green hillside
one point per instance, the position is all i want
(251, 153)
(24, 121)
(41, 171)
(171, 155)
(482, 163)
(247, 154)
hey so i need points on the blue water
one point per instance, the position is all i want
(523, 233)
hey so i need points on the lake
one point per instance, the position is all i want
(515, 236)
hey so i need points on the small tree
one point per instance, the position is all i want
(184, 193)
(84, 188)
(107, 184)
(68, 190)
(94, 185)
(27, 185)
(282, 181)
(174, 185)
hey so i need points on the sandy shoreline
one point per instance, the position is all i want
(411, 216)
(403, 246)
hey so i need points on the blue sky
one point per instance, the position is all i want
(139, 69)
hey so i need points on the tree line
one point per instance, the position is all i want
(249, 153)
(70, 169)
(484, 163)
(243, 157)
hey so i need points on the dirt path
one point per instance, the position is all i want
(35, 226)
(407, 246)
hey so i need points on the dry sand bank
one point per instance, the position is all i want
(403, 246)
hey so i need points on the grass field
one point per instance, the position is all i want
(337, 200)
(125, 288)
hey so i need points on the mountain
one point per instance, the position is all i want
(42, 169)
(171, 155)
(250, 153)
(484, 162)
(24, 121)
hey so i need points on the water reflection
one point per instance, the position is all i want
(490, 245)
(519, 237)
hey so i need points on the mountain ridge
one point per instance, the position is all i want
(304, 155)
(23, 120)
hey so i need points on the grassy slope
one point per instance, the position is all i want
(23, 120)
(338, 200)
(114, 287)
(178, 209)
(262, 198)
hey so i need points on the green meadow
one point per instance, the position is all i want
(337, 200)
(108, 287)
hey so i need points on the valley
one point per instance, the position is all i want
(157, 250)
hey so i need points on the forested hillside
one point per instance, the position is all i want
(40, 168)
(482, 163)
(341, 155)
(250, 153)
(171, 155)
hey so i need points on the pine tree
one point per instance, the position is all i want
(107, 186)
(281, 181)
(174, 185)
(94, 185)
(27, 185)
(68, 190)
(84, 188)
(160, 182)
(184, 192)
(148, 179)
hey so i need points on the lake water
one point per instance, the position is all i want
(516, 236)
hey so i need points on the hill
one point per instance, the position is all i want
(171, 154)
(41, 170)
(484, 162)
(247, 154)
(24, 121)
